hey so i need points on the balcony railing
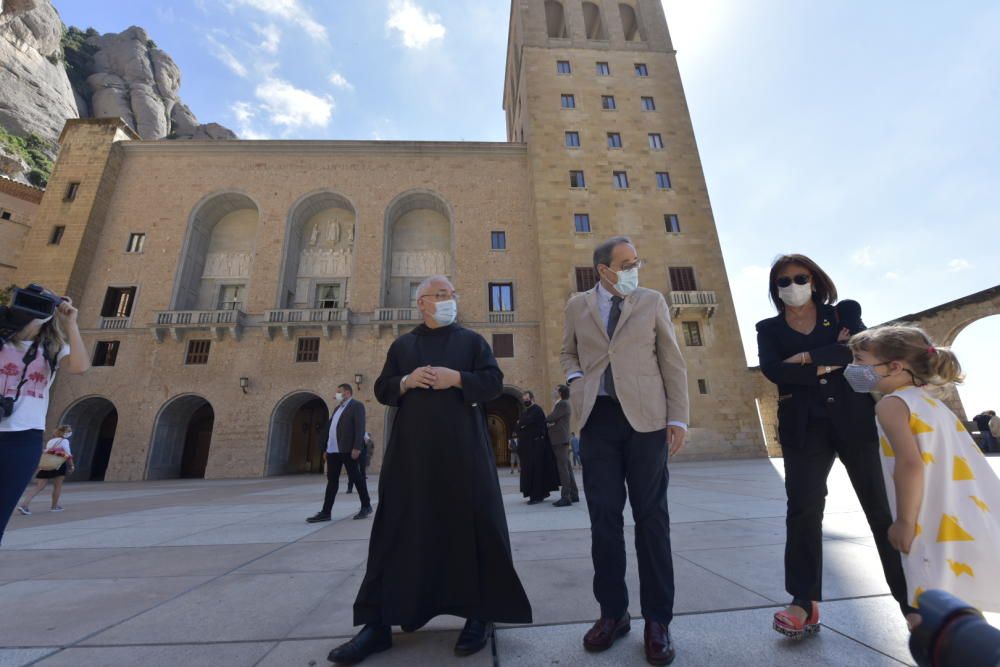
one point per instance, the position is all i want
(503, 317)
(175, 322)
(288, 319)
(114, 322)
(701, 300)
(396, 317)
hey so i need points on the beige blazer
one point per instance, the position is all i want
(649, 371)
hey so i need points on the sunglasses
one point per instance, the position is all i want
(801, 279)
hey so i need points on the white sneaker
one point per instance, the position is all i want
(57, 508)
(24, 510)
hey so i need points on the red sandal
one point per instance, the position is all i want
(789, 624)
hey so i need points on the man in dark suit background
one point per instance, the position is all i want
(558, 423)
(344, 447)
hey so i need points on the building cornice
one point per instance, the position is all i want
(314, 147)
(21, 191)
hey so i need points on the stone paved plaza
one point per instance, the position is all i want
(227, 573)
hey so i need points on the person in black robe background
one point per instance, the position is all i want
(539, 474)
(439, 542)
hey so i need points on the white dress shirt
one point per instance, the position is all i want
(331, 444)
(604, 298)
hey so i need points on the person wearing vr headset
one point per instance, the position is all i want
(803, 350)
(38, 335)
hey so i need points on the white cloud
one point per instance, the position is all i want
(959, 264)
(418, 26)
(293, 107)
(244, 113)
(863, 257)
(227, 57)
(271, 35)
(338, 80)
(893, 275)
(291, 11)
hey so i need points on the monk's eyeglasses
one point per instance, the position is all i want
(440, 295)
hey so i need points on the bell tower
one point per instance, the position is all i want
(593, 88)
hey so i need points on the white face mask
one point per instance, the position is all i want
(446, 312)
(339, 395)
(628, 281)
(795, 295)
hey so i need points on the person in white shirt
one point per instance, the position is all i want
(29, 361)
(344, 447)
(58, 445)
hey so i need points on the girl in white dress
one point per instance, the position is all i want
(945, 497)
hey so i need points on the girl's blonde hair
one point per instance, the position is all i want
(51, 338)
(928, 363)
(62, 431)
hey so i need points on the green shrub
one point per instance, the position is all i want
(32, 149)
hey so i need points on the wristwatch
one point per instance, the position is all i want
(402, 383)
(827, 370)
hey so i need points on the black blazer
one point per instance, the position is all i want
(803, 395)
(350, 428)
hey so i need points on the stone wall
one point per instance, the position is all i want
(18, 203)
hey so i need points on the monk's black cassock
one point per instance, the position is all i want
(439, 543)
(539, 474)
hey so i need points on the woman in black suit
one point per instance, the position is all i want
(803, 350)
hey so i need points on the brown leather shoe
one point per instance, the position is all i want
(605, 632)
(659, 646)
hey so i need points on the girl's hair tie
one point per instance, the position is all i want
(931, 350)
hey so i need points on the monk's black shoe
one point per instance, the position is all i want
(535, 501)
(372, 639)
(474, 637)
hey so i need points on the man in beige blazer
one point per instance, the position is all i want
(628, 385)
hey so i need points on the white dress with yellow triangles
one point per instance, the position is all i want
(957, 548)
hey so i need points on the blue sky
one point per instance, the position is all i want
(861, 133)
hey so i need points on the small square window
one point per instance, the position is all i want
(581, 223)
(603, 69)
(568, 102)
(136, 242)
(608, 102)
(572, 140)
(307, 350)
(672, 223)
(648, 104)
(641, 70)
(563, 67)
(503, 346)
(703, 387)
(614, 140)
(197, 352)
(106, 352)
(328, 296)
(57, 233)
(692, 334)
(576, 180)
(586, 278)
(501, 297)
(5, 215)
(498, 240)
(621, 180)
(71, 191)
(663, 180)
(118, 302)
(655, 141)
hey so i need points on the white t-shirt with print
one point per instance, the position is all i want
(31, 408)
(59, 444)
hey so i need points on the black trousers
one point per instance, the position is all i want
(613, 455)
(333, 465)
(807, 467)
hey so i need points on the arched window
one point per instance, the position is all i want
(630, 23)
(418, 245)
(592, 21)
(555, 19)
(319, 250)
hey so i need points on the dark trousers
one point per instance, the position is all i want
(807, 467)
(333, 464)
(20, 452)
(613, 455)
(567, 481)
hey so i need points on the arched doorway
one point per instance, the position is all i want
(182, 438)
(94, 421)
(502, 414)
(296, 441)
(975, 347)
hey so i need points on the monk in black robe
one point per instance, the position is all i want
(539, 474)
(439, 542)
